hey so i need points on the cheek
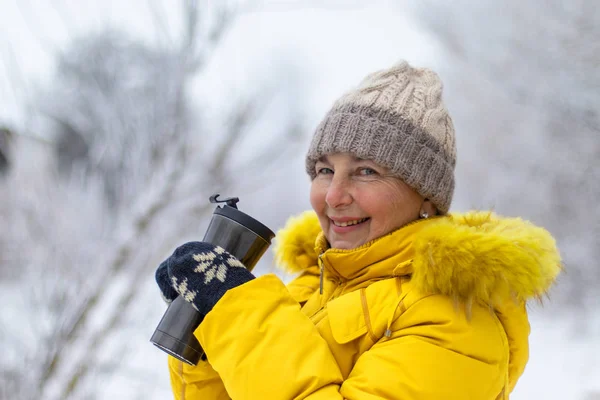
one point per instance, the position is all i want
(381, 210)
(404, 205)
(317, 201)
(317, 197)
(392, 207)
(382, 200)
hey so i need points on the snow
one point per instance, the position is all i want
(564, 357)
(329, 49)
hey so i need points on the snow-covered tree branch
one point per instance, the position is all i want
(127, 174)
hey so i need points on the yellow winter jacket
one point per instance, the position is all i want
(434, 310)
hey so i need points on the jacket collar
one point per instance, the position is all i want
(475, 256)
(387, 256)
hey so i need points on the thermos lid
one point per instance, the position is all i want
(229, 210)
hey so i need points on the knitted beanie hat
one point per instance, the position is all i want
(396, 118)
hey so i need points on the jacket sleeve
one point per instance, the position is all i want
(304, 285)
(263, 346)
(195, 382)
(202, 381)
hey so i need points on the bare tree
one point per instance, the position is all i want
(525, 86)
(133, 171)
(5, 139)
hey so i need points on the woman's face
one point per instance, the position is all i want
(357, 200)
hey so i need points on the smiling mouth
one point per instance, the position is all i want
(349, 223)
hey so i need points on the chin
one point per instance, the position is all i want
(345, 245)
(342, 246)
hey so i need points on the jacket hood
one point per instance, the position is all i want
(474, 256)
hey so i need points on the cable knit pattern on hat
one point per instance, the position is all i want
(396, 118)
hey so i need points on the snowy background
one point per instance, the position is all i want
(119, 119)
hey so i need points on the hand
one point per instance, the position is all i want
(164, 283)
(201, 273)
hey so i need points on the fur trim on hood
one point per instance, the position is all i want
(294, 245)
(476, 256)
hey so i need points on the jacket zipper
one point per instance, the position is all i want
(336, 292)
(321, 274)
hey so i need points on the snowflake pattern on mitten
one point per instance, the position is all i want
(201, 273)
(208, 264)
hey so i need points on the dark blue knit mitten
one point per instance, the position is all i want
(164, 283)
(201, 273)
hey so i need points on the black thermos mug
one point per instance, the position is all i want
(243, 237)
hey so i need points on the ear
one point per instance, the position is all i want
(428, 207)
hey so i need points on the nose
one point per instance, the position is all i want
(338, 193)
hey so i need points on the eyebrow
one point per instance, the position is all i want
(325, 158)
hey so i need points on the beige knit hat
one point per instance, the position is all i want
(396, 118)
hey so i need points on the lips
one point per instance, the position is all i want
(343, 224)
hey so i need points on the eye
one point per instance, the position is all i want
(324, 171)
(365, 171)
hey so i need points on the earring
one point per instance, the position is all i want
(424, 214)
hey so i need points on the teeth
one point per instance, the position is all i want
(349, 223)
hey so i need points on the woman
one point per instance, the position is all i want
(395, 298)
